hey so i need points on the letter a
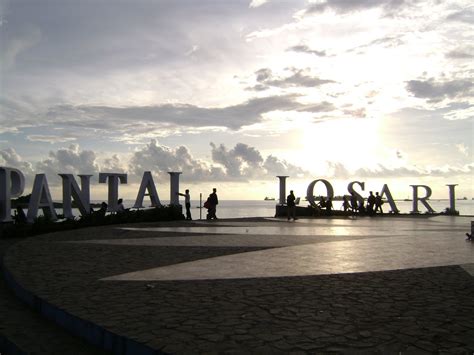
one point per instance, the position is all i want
(41, 198)
(147, 185)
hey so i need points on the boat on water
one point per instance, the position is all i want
(269, 198)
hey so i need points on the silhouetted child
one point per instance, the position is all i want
(20, 217)
(345, 203)
(328, 206)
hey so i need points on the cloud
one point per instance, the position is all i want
(136, 117)
(463, 149)
(338, 170)
(161, 159)
(305, 49)
(466, 16)
(69, 160)
(49, 138)
(257, 3)
(437, 91)
(345, 6)
(467, 53)
(10, 158)
(246, 163)
(297, 78)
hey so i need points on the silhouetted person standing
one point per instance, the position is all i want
(378, 203)
(353, 202)
(291, 206)
(370, 203)
(187, 203)
(328, 206)
(213, 202)
(345, 203)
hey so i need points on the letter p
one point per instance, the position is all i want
(12, 184)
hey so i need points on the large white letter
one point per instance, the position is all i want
(282, 189)
(351, 190)
(310, 191)
(147, 185)
(421, 199)
(385, 191)
(40, 198)
(71, 189)
(174, 187)
(113, 187)
(452, 199)
(12, 184)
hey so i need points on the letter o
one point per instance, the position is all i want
(310, 191)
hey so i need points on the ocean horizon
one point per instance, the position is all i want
(262, 208)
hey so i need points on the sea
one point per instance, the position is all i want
(262, 208)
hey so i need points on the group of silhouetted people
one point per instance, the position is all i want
(373, 206)
(350, 204)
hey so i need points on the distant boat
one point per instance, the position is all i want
(269, 199)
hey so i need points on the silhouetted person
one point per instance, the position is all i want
(361, 207)
(345, 203)
(291, 206)
(370, 203)
(120, 206)
(378, 203)
(187, 203)
(322, 202)
(213, 202)
(100, 213)
(20, 217)
(353, 202)
(328, 206)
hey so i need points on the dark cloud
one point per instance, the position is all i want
(460, 54)
(71, 160)
(437, 91)
(359, 113)
(466, 15)
(338, 170)
(246, 163)
(10, 158)
(297, 78)
(381, 171)
(133, 117)
(161, 159)
(345, 6)
(386, 42)
(305, 49)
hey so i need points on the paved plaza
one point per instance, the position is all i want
(343, 285)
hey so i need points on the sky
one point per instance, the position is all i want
(233, 93)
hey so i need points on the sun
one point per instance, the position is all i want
(350, 141)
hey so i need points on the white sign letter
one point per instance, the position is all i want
(310, 191)
(71, 189)
(421, 199)
(282, 189)
(12, 184)
(113, 187)
(174, 188)
(147, 185)
(385, 191)
(351, 190)
(41, 198)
